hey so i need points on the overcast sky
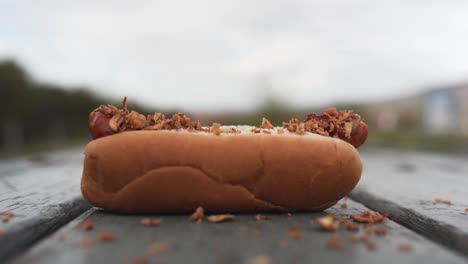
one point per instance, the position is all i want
(205, 55)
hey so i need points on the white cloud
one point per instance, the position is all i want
(210, 54)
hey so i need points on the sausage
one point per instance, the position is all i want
(99, 125)
(330, 121)
(358, 135)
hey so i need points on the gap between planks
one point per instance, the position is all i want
(442, 233)
(21, 237)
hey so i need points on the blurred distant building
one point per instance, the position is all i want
(392, 114)
(445, 111)
(439, 111)
(462, 95)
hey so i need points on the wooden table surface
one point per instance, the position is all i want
(44, 195)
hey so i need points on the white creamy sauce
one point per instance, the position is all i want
(244, 129)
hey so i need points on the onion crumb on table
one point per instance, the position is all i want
(158, 248)
(260, 217)
(140, 260)
(350, 226)
(328, 223)
(86, 242)
(198, 215)
(150, 222)
(335, 242)
(6, 216)
(86, 225)
(261, 259)
(369, 217)
(220, 218)
(295, 232)
(442, 201)
(403, 246)
(106, 237)
(258, 233)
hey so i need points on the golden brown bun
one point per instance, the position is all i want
(174, 172)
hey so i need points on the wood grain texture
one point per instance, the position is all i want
(405, 184)
(230, 242)
(43, 196)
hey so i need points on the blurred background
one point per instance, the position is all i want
(403, 65)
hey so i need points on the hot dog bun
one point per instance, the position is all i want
(175, 172)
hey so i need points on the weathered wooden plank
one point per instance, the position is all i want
(43, 196)
(9, 167)
(405, 185)
(231, 242)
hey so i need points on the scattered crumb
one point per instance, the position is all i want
(344, 205)
(350, 226)
(405, 246)
(341, 219)
(258, 233)
(442, 201)
(61, 236)
(369, 217)
(289, 214)
(86, 242)
(6, 216)
(295, 232)
(243, 228)
(150, 222)
(369, 243)
(220, 218)
(284, 243)
(380, 230)
(158, 248)
(106, 237)
(364, 239)
(2, 232)
(279, 131)
(466, 209)
(140, 260)
(334, 242)
(328, 223)
(197, 215)
(357, 238)
(262, 259)
(86, 225)
(262, 217)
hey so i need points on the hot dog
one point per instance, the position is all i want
(154, 164)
